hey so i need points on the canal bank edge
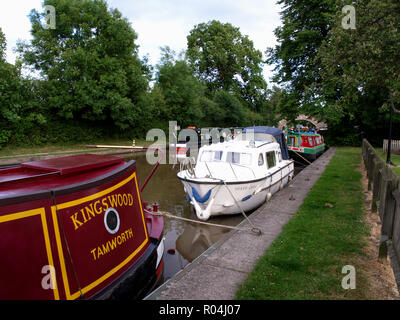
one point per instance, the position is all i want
(218, 272)
(10, 161)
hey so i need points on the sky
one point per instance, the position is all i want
(161, 23)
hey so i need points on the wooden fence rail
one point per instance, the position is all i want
(395, 146)
(384, 184)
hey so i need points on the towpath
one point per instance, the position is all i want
(218, 272)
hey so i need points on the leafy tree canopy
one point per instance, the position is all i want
(88, 63)
(364, 62)
(226, 60)
(305, 25)
(181, 89)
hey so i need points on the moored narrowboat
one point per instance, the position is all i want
(75, 227)
(304, 145)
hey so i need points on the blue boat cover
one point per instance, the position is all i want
(276, 133)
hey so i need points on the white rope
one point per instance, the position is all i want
(168, 215)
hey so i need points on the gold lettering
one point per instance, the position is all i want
(130, 198)
(106, 249)
(99, 252)
(98, 211)
(104, 202)
(90, 212)
(125, 199)
(120, 202)
(113, 201)
(76, 222)
(112, 244)
(83, 215)
(93, 252)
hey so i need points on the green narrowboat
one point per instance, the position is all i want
(308, 145)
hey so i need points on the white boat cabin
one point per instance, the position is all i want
(239, 160)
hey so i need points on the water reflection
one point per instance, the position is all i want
(188, 239)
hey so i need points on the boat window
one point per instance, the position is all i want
(310, 141)
(209, 155)
(292, 141)
(260, 159)
(239, 158)
(279, 156)
(271, 160)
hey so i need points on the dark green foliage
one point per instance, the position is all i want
(361, 69)
(18, 103)
(226, 60)
(88, 64)
(305, 26)
(181, 90)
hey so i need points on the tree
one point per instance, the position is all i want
(361, 67)
(305, 26)
(88, 64)
(18, 109)
(366, 57)
(226, 60)
(181, 89)
(234, 114)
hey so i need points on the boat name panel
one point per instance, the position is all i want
(96, 208)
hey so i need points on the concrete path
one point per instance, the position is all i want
(219, 271)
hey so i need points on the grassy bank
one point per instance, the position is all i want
(327, 233)
(12, 151)
(395, 158)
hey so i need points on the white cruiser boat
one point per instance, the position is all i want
(238, 175)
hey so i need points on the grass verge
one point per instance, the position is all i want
(395, 158)
(327, 233)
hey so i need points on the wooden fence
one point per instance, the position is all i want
(384, 184)
(395, 146)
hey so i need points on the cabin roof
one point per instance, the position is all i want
(241, 146)
(55, 173)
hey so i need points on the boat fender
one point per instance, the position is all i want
(201, 199)
(268, 196)
(246, 198)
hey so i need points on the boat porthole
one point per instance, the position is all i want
(111, 220)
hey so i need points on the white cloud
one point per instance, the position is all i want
(15, 23)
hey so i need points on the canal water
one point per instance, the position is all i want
(184, 241)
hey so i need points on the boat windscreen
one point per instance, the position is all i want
(209, 155)
(239, 158)
(256, 136)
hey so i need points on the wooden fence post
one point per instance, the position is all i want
(376, 183)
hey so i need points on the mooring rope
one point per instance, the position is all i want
(301, 157)
(168, 215)
(254, 229)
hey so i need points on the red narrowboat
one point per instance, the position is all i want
(75, 227)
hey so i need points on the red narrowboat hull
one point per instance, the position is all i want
(75, 227)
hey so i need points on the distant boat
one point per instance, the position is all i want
(239, 174)
(75, 227)
(308, 145)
